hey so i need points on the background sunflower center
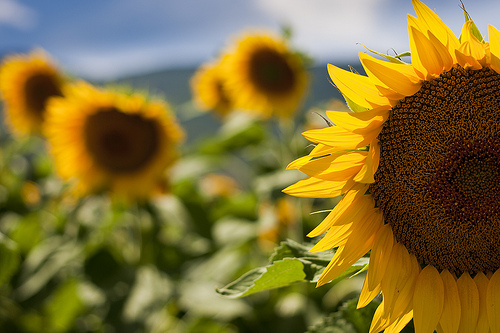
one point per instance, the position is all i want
(120, 142)
(38, 88)
(270, 72)
(438, 183)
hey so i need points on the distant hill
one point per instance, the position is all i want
(174, 84)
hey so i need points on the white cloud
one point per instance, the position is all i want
(120, 61)
(17, 15)
(331, 28)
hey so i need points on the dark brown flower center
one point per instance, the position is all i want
(121, 142)
(438, 183)
(38, 89)
(271, 72)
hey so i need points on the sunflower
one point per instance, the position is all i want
(26, 84)
(209, 90)
(419, 171)
(106, 140)
(263, 76)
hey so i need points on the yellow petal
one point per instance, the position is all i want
(428, 300)
(367, 294)
(336, 167)
(397, 287)
(360, 89)
(380, 255)
(482, 286)
(400, 277)
(332, 270)
(415, 61)
(494, 39)
(359, 243)
(476, 47)
(450, 318)
(434, 23)
(493, 302)
(345, 224)
(444, 54)
(380, 319)
(336, 237)
(360, 122)
(469, 300)
(401, 78)
(345, 208)
(312, 187)
(363, 236)
(464, 57)
(367, 172)
(391, 94)
(340, 138)
(323, 150)
(401, 322)
(300, 162)
(424, 50)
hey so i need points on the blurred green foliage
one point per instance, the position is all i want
(93, 265)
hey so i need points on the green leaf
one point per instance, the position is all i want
(237, 133)
(28, 232)
(9, 259)
(315, 263)
(347, 319)
(293, 249)
(279, 274)
(64, 307)
(291, 263)
(151, 291)
(44, 262)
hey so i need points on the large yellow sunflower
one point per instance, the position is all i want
(263, 76)
(26, 84)
(419, 171)
(111, 141)
(209, 89)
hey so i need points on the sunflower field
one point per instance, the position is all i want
(257, 205)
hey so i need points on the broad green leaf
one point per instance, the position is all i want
(28, 232)
(151, 291)
(347, 319)
(207, 325)
(9, 259)
(291, 262)
(314, 263)
(44, 262)
(359, 318)
(279, 274)
(292, 249)
(64, 307)
(238, 132)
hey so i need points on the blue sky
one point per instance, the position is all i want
(103, 39)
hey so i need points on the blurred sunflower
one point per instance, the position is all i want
(208, 88)
(420, 174)
(111, 141)
(264, 77)
(26, 84)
